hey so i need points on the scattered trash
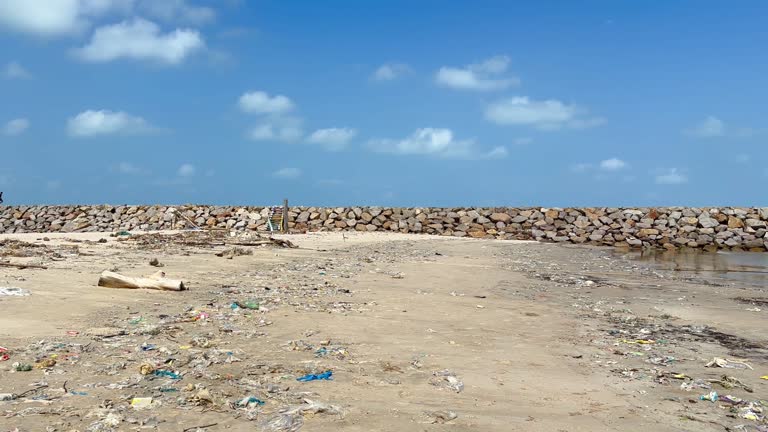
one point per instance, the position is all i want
(250, 401)
(281, 423)
(4, 354)
(166, 373)
(252, 305)
(146, 369)
(154, 262)
(141, 403)
(765, 377)
(21, 367)
(441, 416)
(105, 332)
(46, 363)
(447, 379)
(13, 291)
(754, 309)
(638, 341)
(7, 396)
(233, 252)
(711, 396)
(327, 375)
(728, 363)
(729, 382)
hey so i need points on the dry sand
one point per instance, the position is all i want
(543, 338)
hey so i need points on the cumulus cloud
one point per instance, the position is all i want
(16, 127)
(287, 173)
(434, 142)
(177, 10)
(139, 39)
(260, 102)
(284, 129)
(14, 70)
(105, 122)
(186, 170)
(332, 139)
(548, 114)
(55, 17)
(484, 76)
(390, 71)
(612, 164)
(671, 177)
(66, 17)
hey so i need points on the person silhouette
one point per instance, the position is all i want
(1, 197)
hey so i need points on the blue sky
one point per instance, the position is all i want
(408, 103)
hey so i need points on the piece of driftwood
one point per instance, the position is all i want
(22, 266)
(274, 241)
(156, 281)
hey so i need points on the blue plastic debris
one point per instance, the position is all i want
(250, 400)
(312, 377)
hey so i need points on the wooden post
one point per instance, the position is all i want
(284, 228)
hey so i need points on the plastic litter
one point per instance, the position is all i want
(729, 363)
(281, 423)
(765, 377)
(166, 373)
(21, 367)
(639, 341)
(141, 403)
(13, 291)
(249, 401)
(314, 407)
(7, 396)
(711, 396)
(447, 379)
(327, 375)
(4, 354)
(252, 305)
(443, 416)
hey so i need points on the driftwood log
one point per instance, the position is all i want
(22, 266)
(156, 281)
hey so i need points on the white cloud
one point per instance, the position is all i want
(613, 164)
(104, 122)
(284, 129)
(435, 142)
(708, 128)
(177, 10)
(390, 71)
(545, 115)
(140, 39)
(16, 127)
(186, 170)
(260, 102)
(287, 173)
(67, 17)
(55, 17)
(670, 177)
(332, 139)
(14, 70)
(480, 76)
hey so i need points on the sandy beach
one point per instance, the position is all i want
(421, 333)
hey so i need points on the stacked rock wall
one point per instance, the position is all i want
(670, 227)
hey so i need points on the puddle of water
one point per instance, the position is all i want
(744, 267)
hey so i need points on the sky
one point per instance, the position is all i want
(396, 103)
